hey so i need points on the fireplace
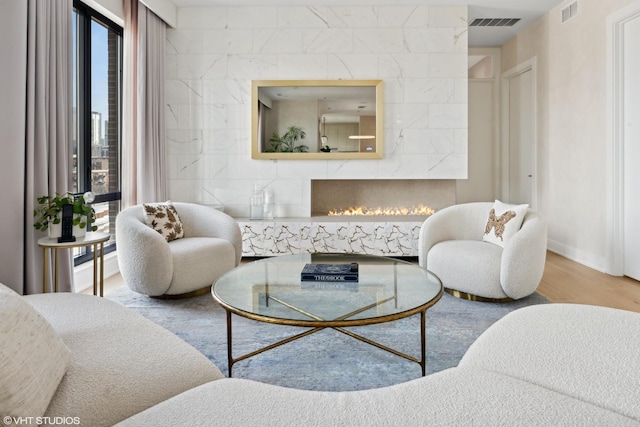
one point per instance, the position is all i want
(389, 235)
(381, 197)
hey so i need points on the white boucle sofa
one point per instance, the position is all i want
(121, 363)
(552, 364)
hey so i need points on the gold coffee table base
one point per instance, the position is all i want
(422, 361)
(328, 324)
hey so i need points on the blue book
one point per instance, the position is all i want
(330, 273)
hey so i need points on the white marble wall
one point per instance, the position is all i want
(211, 57)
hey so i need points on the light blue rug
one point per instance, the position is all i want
(326, 360)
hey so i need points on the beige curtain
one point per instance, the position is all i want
(143, 151)
(47, 145)
(13, 51)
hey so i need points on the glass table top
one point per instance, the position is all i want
(271, 290)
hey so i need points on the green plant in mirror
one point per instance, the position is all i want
(287, 142)
(49, 210)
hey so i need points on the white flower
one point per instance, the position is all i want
(88, 197)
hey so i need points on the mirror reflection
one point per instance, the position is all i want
(312, 119)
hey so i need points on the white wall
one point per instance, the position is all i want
(214, 53)
(571, 129)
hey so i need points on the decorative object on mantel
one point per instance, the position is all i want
(48, 214)
(256, 207)
(268, 205)
(262, 204)
(287, 142)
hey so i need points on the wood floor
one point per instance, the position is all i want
(563, 281)
(571, 282)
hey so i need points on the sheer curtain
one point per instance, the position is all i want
(143, 151)
(48, 133)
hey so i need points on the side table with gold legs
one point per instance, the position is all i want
(94, 239)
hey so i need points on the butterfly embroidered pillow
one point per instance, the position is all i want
(504, 221)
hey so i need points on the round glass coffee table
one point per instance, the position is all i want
(271, 290)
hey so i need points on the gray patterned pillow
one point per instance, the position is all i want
(164, 218)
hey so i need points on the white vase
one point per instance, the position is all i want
(79, 232)
(55, 230)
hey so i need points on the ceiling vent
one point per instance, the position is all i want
(569, 11)
(494, 22)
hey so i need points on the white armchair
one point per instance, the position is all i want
(211, 246)
(451, 246)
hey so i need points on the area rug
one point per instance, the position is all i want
(326, 360)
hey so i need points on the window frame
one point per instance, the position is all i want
(85, 15)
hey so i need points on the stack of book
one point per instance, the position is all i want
(330, 276)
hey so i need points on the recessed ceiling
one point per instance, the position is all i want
(527, 10)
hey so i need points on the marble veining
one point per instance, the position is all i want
(316, 235)
(420, 52)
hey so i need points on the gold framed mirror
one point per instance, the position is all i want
(316, 119)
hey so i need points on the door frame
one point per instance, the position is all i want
(507, 76)
(615, 136)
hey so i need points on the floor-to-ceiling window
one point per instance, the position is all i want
(97, 115)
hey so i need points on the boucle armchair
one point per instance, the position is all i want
(451, 245)
(151, 265)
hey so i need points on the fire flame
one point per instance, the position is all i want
(362, 210)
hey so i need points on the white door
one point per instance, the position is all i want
(631, 144)
(521, 137)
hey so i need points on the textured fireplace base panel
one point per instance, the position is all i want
(386, 236)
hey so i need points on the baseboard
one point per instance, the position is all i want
(83, 274)
(590, 260)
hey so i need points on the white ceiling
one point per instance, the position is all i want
(527, 10)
